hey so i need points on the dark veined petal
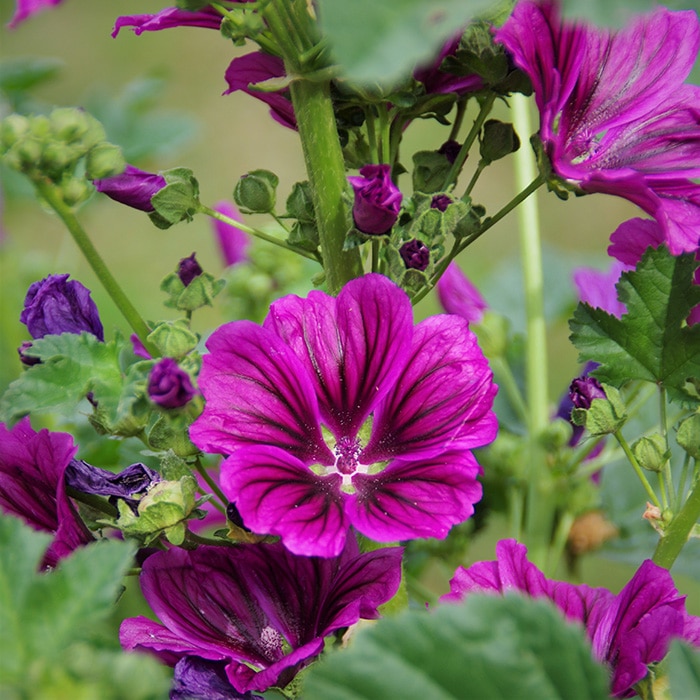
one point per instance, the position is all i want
(354, 347)
(445, 392)
(256, 391)
(424, 498)
(276, 494)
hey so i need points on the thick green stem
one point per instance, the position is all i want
(676, 534)
(540, 506)
(52, 196)
(326, 171)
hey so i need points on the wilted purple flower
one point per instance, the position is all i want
(259, 609)
(459, 296)
(377, 200)
(169, 18)
(32, 467)
(24, 9)
(55, 305)
(415, 255)
(188, 269)
(615, 114)
(628, 631)
(135, 480)
(233, 242)
(168, 385)
(133, 187)
(336, 361)
(257, 67)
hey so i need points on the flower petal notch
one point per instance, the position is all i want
(338, 412)
(256, 610)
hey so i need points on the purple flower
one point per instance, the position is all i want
(627, 631)
(168, 385)
(597, 288)
(440, 82)
(133, 187)
(615, 114)
(188, 269)
(259, 609)
(440, 202)
(377, 200)
(197, 679)
(233, 243)
(459, 296)
(24, 9)
(257, 67)
(55, 305)
(133, 481)
(584, 390)
(336, 362)
(169, 18)
(32, 467)
(415, 255)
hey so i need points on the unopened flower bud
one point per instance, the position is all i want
(173, 338)
(12, 129)
(75, 190)
(169, 386)
(440, 202)
(603, 416)
(55, 305)
(69, 123)
(584, 390)
(103, 161)
(450, 149)
(650, 452)
(256, 191)
(133, 187)
(377, 200)
(188, 269)
(415, 255)
(688, 435)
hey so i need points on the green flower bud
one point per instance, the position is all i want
(69, 124)
(198, 293)
(29, 153)
(173, 338)
(240, 25)
(497, 141)
(56, 158)
(688, 435)
(12, 129)
(104, 160)
(75, 190)
(40, 127)
(256, 191)
(651, 453)
(605, 416)
(556, 435)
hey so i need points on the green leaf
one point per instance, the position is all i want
(651, 341)
(487, 647)
(683, 665)
(381, 42)
(24, 73)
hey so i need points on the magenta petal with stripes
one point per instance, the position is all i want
(277, 494)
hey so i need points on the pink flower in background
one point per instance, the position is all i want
(627, 631)
(459, 296)
(597, 288)
(288, 403)
(615, 114)
(233, 243)
(24, 9)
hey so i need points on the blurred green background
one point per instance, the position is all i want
(226, 137)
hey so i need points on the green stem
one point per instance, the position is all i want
(213, 486)
(52, 196)
(95, 502)
(678, 530)
(477, 173)
(256, 232)
(371, 134)
(540, 508)
(638, 470)
(506, 380)
(457, 166)
(668, 477)
(459, 118)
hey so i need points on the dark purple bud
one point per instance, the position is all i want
(188, 269)
(24, 358)
(55, 305)
(377, 200)
(133, 187)
(415, 255)
(450, 149)
(132, 481)
(584, 390)
(440, 202)
(168, 385)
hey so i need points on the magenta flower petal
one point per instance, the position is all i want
(424, 498)
(257, 67)
(133, 187)
(260, 608)
(24, 9)
(352, 346)
(458, 295)
(32, 468)
(597, 288)
(446, 385)
(256, 391)
(233, 243)
(277, 494)
(168, 18)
